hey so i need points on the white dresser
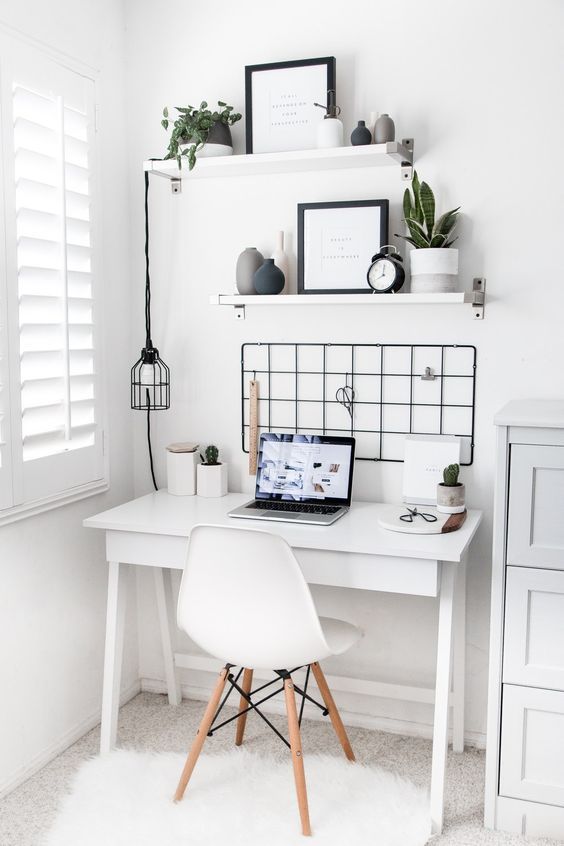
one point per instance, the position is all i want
(525, 746)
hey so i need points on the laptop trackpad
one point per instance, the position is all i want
(288, 515)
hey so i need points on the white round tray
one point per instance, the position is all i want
(390, 519)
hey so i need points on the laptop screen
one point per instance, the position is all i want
(305, 468)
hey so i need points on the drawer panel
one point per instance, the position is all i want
(529, 818)
(534, 628)
(532, 745)
(536, 507)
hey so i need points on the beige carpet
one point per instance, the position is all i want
(148, 723)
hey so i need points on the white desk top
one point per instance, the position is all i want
(357, 532)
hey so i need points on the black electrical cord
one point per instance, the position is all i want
(149, 443)
(148, 342)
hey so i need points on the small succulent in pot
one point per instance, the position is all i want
(192, 129)
(211, 454)
(211, 474)
(451, 492)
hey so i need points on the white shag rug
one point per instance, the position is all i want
(237, 798)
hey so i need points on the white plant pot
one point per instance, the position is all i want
(181, 472)
(434, 270)
(451, 499)
(212, 480)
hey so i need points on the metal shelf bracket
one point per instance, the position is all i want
(478, 297)
(239, 311)
(407, 166)
(176, 186)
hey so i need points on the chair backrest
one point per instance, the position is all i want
(244, 599)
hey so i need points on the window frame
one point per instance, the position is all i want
(16, 50)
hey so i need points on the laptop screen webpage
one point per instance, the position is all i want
(302, 468)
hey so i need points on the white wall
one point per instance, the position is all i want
(53, 577)
(478, 85)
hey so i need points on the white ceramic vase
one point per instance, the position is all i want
(330, 133)
(281, 260)
(212, 480)
(434, 270)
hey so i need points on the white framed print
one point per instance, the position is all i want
(280, 98)
(336, 244)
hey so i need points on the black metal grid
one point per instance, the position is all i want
(298, 386)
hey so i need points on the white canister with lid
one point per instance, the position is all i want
(181, 462)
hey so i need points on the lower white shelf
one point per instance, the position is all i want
(240, 302)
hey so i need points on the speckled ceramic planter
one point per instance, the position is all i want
(451, 499)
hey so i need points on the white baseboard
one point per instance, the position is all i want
(63, 742)
(350, 718)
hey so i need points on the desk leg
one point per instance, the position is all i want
(163, 590)
(115, 622)
(459, 662)
(442, 691)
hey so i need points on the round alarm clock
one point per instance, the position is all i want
(386, 274)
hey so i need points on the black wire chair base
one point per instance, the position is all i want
(281, 675)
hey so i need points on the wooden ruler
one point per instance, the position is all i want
(253, 426)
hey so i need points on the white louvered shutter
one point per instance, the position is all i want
(56, 430)
(6, 499)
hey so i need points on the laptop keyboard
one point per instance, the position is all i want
(300, 507)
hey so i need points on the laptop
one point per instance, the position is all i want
(301, 479)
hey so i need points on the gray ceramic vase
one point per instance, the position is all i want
(247, 264)
(361, 135)
(384, 130)
(269, 279)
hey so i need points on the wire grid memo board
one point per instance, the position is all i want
(396, 389)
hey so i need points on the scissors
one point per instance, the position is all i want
(413, 512)
(345, 396)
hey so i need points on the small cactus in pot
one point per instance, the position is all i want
(212, 474)
(210, 456)
(451, 493)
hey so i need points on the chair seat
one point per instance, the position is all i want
(339, 635)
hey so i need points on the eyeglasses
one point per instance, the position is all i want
(413, 512)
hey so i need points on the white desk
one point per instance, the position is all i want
(354, 552)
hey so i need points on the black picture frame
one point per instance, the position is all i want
(255, 112)
(346, 228)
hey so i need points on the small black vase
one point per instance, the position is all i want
(268, 279)
(361, 135)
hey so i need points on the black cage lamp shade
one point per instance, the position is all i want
(150, 381)
(150, 376)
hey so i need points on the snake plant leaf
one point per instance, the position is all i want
(446, 222)
(428, 206)
(416, 186)
(407, 238)
(438, 241)
(408, 207)
(417, 233)
(450, 243)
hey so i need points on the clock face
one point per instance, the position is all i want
(382, 274)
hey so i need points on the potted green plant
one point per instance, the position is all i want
(451, 492)
(212, 474)
(200, 132)
(434, 261)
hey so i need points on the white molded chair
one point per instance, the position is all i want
(244, 599)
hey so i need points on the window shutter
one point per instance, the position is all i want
(6, 499)
(58, 421)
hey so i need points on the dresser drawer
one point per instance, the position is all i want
(536, 507)
(532, 745)
(534, 628)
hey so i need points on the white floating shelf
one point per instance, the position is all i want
(338, 299)
(476, 298)
(296, 161)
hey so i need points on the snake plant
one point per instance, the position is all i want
(419, 215)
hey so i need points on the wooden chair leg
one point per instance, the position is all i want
(200, 738)
(297, 757)
(242, 721)
(333, 712)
